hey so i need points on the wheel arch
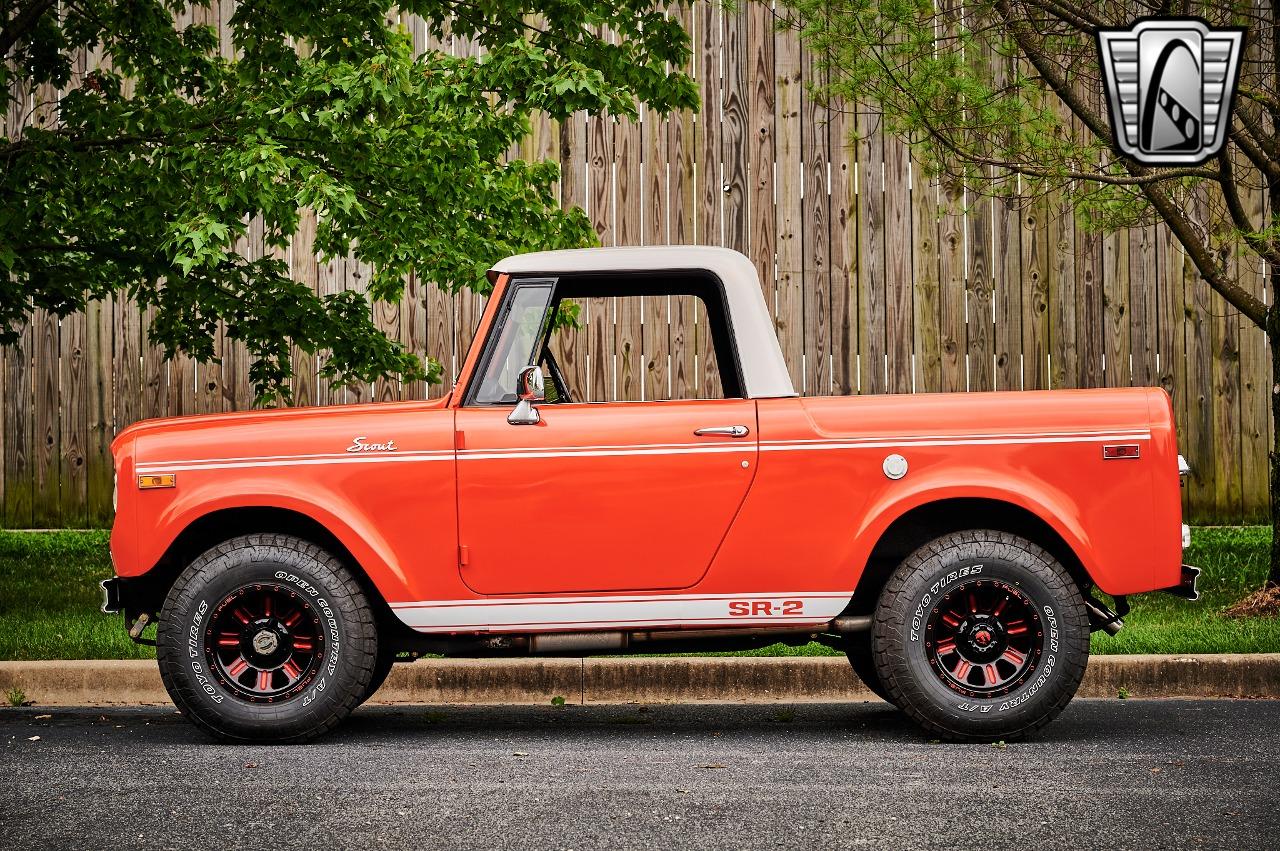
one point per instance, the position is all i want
(926, 521)
(148, 590)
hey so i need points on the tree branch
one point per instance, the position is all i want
(1240, 216)
(1180, 223)
(22, 23)
(1025, 35)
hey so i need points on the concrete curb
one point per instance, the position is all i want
(650, 680)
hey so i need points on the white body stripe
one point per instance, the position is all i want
(531, 614)
(806, 445)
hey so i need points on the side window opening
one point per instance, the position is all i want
(677, 359)
(614, 337)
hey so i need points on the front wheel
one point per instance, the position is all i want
(981, 635)
(266, 638)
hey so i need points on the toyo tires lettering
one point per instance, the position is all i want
(193, 650)
(918, 616)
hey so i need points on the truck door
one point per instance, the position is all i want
(611, 496)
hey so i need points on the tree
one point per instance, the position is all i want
(138, 173)
(992, 89)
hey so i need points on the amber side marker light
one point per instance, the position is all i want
(157, 480)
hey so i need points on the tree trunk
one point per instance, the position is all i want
(1273, 341)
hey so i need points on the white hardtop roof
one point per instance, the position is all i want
(764, 372)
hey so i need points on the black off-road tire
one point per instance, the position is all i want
(935, 582)
(382, 670)
(344, 627)
(862, 660)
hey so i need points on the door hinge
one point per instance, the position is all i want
(464, 555)
(459, 440)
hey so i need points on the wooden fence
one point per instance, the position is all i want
(880, 282)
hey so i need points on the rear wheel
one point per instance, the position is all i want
(981, 635)
(266, 638)
(858, 650)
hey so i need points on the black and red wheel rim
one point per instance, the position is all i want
(264, 643)
(984, 638)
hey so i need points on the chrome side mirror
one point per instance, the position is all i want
(529, 389)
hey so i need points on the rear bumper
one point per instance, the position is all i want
(1186, 588)
(111, 595)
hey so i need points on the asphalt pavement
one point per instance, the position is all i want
(1107, 774)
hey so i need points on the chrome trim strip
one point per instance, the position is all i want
(805, 445)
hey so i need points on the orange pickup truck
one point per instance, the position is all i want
(949, 544)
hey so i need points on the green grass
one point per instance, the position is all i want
(49, 600)
(1234, 563)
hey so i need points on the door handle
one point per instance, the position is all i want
(731, 431)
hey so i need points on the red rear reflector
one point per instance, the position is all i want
(1122, 450)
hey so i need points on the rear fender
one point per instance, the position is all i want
(1050, 504)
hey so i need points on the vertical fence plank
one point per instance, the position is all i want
(980, 223)
(1115, 309)
(628, 311)
(46, 494)
(571, 352)
(820, 308)
(1225, 353)
(710, 220)
(872, 322)
(304, 268)
(844, 250)
(925, 270)
(655, 346)
(73, 420)
(762, 89)
(1255, 401)
(733, 151)
(413, 332)
(600, 310)
(98, 356)
(789, 288)
(953, 337)
(1035, 294)
(1142, 306)
(19, 477)
(682, 221)
(1064, 367)
(328, 282)
(1199, 397)
(899, 306)
(386, 318)
(442, 325)
(1173, 341)
(1089, 315)
(1006, 294)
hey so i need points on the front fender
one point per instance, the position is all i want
(172, 512)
